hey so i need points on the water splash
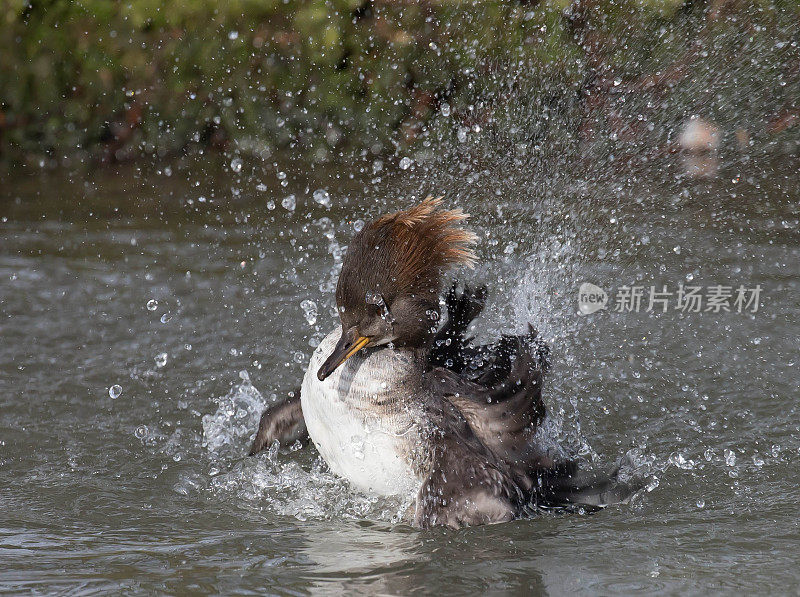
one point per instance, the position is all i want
(228, 429)
(296, 484)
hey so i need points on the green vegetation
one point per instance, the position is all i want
(110, 81)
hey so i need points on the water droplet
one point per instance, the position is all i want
(701, 503)
(678, 460)
(652, 484)
(236, 165)
(115, 391)
(141, 431)
(289, 202)
(161, 359)
(152, 305)
(322, 197)
(358, 225)
(309, 308)
(730, 457)
(405, 163)
(758, 461)
(445, 109)
(166, 317)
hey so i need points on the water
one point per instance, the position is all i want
(147, 319)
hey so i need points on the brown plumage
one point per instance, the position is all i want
(427, 237)
(405, 253)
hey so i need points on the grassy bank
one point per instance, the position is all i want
(105, 81)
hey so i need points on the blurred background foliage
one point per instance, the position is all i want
(108, 81)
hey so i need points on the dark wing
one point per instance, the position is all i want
(451, 346)
(499, 394)
(501, 398)
(466, 485)
(497, 390)
(497, 387)
(283, 422)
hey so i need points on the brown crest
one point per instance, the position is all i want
(429, 236)
(405, 252)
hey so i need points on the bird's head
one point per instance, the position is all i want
(388, 291)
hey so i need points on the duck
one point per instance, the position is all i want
(401, 404)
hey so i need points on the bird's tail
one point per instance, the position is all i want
(568, 486)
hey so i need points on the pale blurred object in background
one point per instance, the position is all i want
(699, 140)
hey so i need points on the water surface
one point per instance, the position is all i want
(190, 291)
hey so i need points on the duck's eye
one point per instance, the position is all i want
(376, 298)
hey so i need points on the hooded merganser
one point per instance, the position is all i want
(400, 408)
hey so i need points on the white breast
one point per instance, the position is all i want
(358, 439)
